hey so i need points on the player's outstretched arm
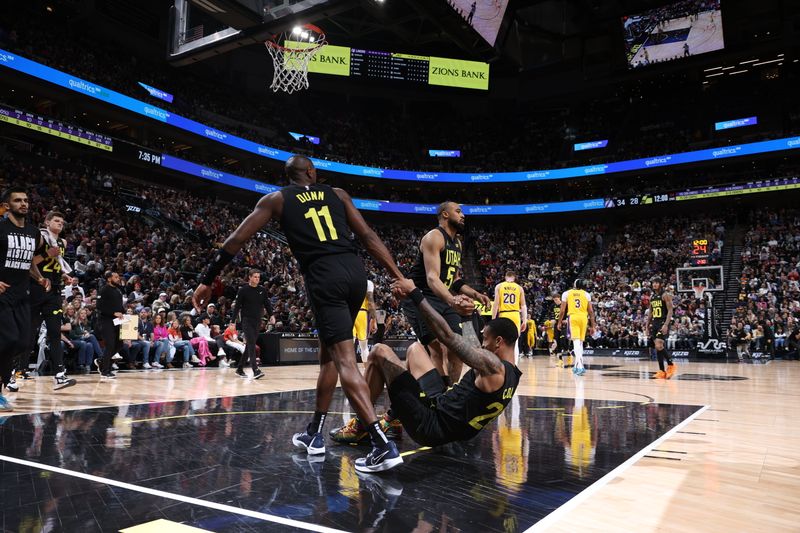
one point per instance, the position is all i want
(496, 304)
(267, 206)
(467, 348)
(372, 243)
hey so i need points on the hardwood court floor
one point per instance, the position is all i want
(733, 467)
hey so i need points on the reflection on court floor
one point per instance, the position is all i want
(236, 452)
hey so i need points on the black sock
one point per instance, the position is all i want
(660, 355)
(376, 434)
(316, 423)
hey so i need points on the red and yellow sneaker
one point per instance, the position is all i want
(392, 428)
(661, 375)
(671, 369)
(351, 433)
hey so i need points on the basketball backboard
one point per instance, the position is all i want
(710, 277)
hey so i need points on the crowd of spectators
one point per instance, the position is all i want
(767, 317)
(621, 280)
(545, 260)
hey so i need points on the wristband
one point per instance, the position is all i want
(416, 296)
(222, 259)
(457, 284)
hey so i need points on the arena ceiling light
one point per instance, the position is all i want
(748, 61)
(710, 69)
(738, 72)
(767, 62)
(715, 74)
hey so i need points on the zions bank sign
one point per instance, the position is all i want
(356, 63)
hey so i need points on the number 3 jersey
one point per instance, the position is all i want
(315, 223)
(465, 409)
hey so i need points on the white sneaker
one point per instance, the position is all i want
(12, 385)
(195, 359)
(116, 357)
(156, 364)
(147, 365)
(221, 352)
(114, 366)
(187, 365)
(224, 363)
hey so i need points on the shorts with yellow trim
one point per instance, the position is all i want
(577, 327)
(360, 326)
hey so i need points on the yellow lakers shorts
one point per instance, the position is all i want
(577, 327)
(512, 316)
(360, 327)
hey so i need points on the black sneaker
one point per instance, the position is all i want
(240, 372)
(62, 381)
(108, 375)
(380, 459)
(313, 444)
(258, 374)
(12, 384)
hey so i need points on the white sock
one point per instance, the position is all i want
(364, 347)
(578, 348)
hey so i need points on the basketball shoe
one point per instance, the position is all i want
(380, 458)
(661, 375)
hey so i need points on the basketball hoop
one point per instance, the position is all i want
(291, 62)
(699, 291)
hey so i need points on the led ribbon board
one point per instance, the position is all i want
(444, 153)
(736, 123)
(590, 145)
(157, 93)
(55, 128)
(32, 68)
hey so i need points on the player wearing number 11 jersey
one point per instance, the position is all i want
(317, 220)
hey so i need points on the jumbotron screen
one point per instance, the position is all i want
(674, 31)
(485, 16)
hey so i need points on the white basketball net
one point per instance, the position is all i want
(291, 65)
(699, 291)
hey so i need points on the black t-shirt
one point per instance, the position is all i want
(315, 223)
(449, 264)
(109, 301)
(252, 301)
(17, 249)
(464, 409)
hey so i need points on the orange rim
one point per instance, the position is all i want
(273, 41)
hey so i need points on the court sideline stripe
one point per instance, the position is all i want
(558, 514)
(176, 497)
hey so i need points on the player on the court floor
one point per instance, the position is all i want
(365, 324)
(659, 317)
(509, 302)
(561, 348)
(432, 414)
(18, 244)
(577, 303)
(318, 220)
(436, 272)
(46, 305)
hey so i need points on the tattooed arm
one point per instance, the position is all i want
(466, 346)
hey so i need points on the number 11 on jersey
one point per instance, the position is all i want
(315, 215)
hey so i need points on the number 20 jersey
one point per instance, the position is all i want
(315, 223)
